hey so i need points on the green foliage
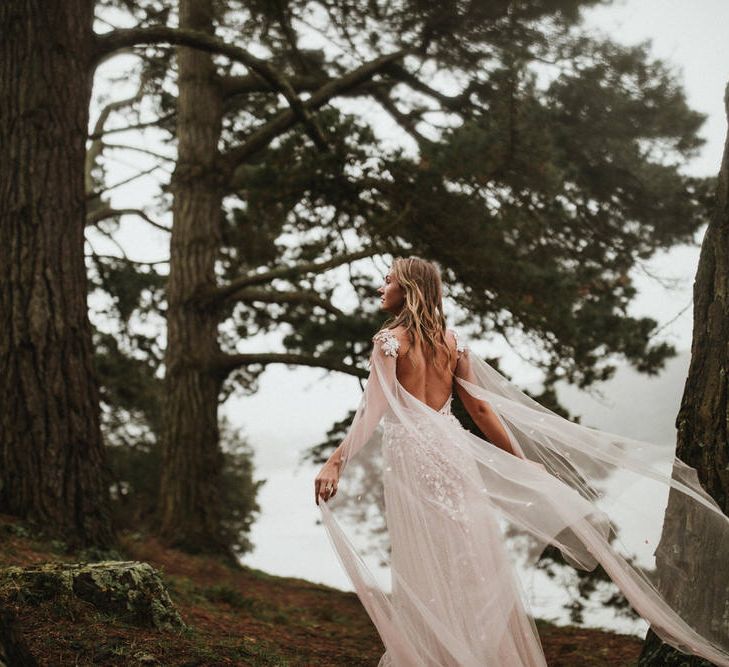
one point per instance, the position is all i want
(228, 595)
(535, 176)
(560, 156)
(136, 469)
(537, 163)
(130, 286)
(586, 588)
(239, 489)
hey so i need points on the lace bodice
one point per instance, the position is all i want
(438, 467)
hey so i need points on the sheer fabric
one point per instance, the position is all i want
(455, 598)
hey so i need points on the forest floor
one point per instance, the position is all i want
(235, 616)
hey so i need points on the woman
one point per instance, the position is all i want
(455, 598)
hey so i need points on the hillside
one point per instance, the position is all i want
(235, 616)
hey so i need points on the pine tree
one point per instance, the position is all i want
(52, 460)
(537, 185)
(51, 453)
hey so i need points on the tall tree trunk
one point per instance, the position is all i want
(190, 506)
(51, 453)
(703, 418)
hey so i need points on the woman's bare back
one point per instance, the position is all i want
(429, 381)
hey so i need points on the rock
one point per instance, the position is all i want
(131, 590)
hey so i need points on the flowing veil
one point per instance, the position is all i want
(598, 497)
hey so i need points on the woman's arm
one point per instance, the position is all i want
(481, 412)
(486, 420)
(372, 407)
(335, 459)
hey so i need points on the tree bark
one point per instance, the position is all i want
(703, 417)
(51, 454)
(190, 512)
(190, 504)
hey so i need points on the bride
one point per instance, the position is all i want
(449, 496)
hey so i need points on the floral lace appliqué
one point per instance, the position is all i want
(439, 472)
(460, 345)
(390, 343)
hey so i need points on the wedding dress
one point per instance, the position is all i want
(455, 596)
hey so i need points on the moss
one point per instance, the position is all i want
(228, 595)
(16, 529)
(128, 589)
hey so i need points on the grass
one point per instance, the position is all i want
(235, 616)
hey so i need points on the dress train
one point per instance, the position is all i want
(455, 597)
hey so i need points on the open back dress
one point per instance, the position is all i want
(449, 497)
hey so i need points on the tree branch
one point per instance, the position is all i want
(97, 194)
(108, 43)
(111, 238)
(251, 83)
(261, 137)
(97, 146)
(281, 296)
(139, 149)
(137, 262)
(234, 286)
(97, 134)
(104, 213)
(227, 363)
(284, 20)
(402, 119)
(454, 103)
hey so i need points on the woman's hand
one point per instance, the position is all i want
(325, 484)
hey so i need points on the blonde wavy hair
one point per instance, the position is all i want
(422, 313)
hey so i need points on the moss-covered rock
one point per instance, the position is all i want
(131, 590)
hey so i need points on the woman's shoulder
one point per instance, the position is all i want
(396, 341)
(392, 341)
(460, 342)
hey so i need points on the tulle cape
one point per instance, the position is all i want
(598, 497)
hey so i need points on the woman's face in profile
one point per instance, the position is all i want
(392, 294)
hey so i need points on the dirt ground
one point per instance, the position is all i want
(234, 616)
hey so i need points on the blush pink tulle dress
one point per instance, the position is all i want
(450, 498)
